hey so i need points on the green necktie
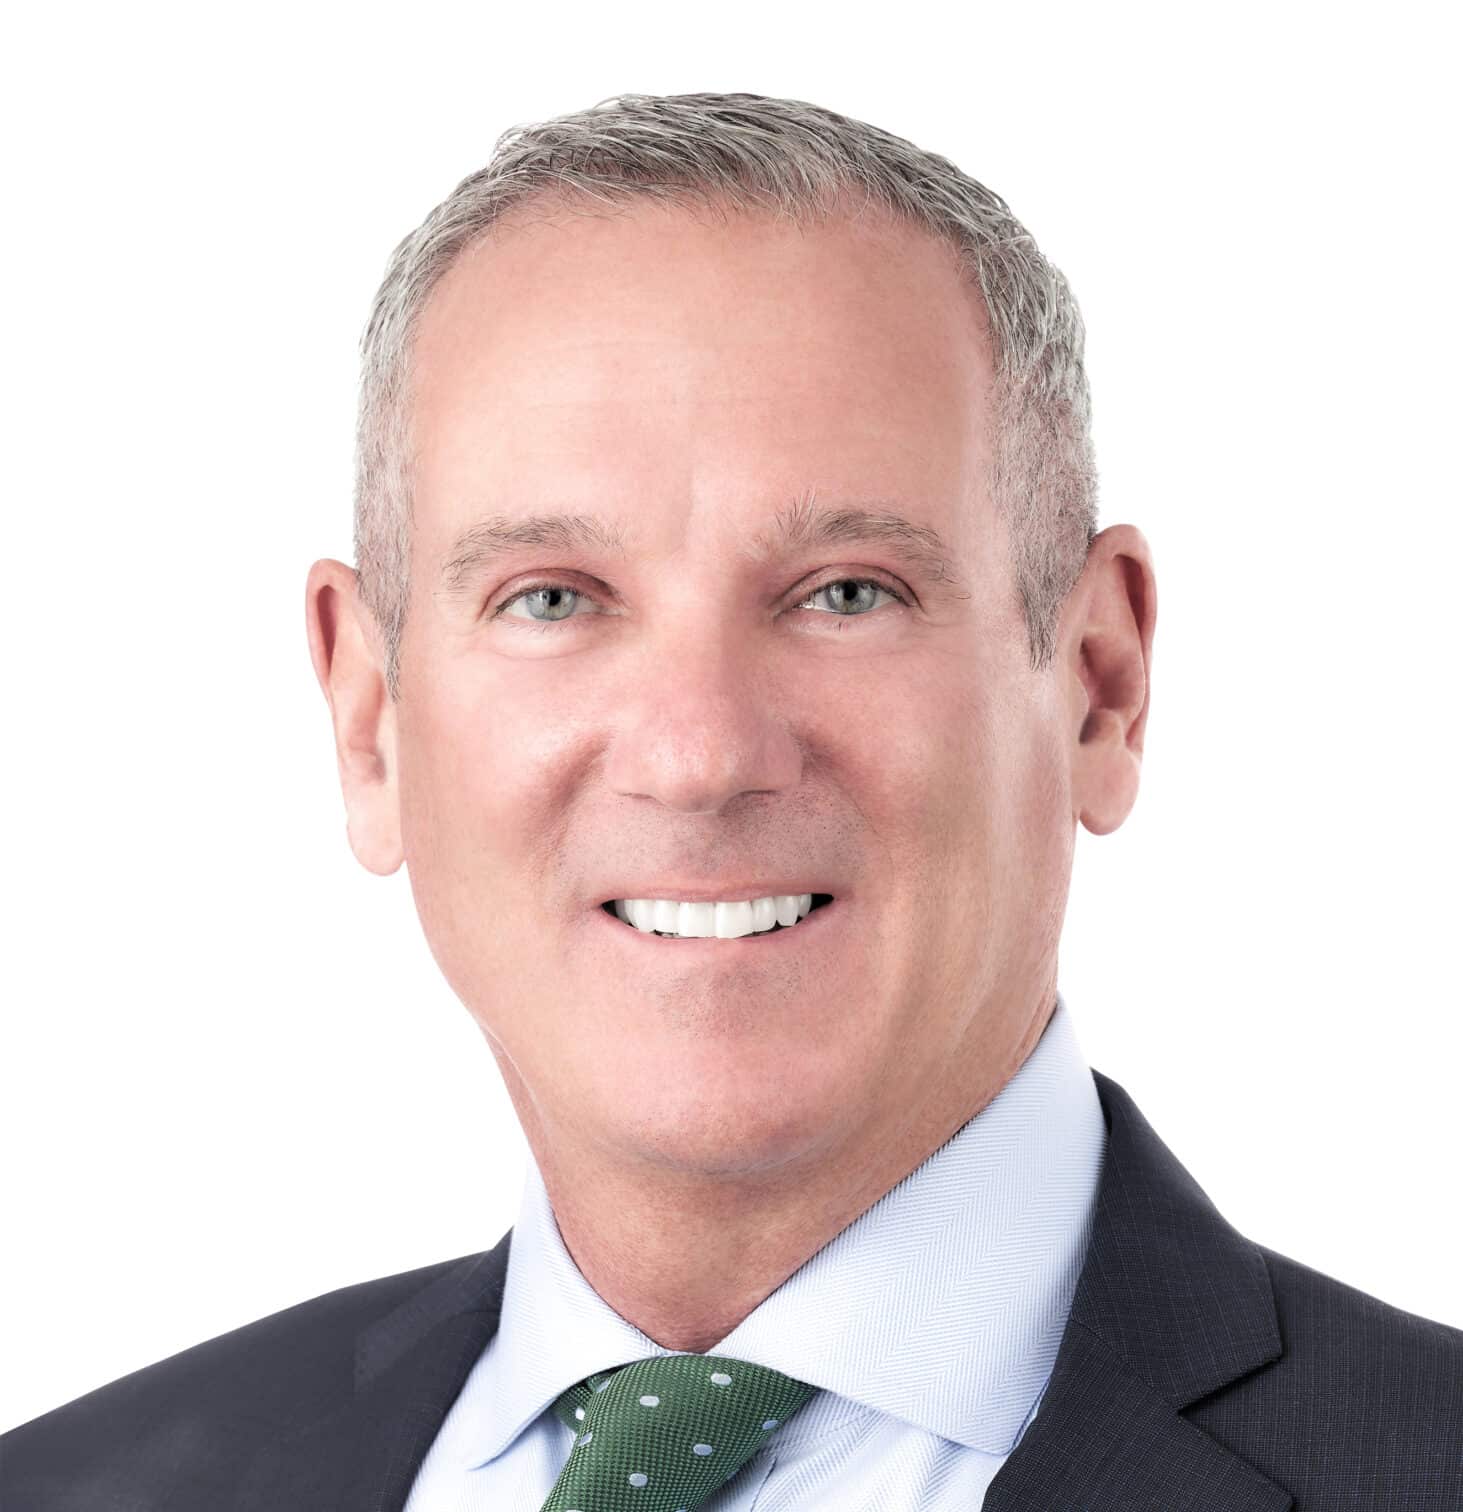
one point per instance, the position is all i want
(662, 1434)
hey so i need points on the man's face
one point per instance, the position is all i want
(701, 711)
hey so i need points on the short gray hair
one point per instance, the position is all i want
(796, 160)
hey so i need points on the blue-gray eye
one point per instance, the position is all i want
(551, 603)
(555, 599)
(858, 601)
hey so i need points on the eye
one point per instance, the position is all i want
(551, 603)
(858, 604)
(555, 600)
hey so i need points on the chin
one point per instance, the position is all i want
(730, 1118)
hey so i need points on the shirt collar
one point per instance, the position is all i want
(943, 1304)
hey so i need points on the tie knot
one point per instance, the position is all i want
(661, 1434)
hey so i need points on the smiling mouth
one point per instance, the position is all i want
(821, 900)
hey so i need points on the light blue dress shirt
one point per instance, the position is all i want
(930, 1326)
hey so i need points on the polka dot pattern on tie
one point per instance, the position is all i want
(661, 1434)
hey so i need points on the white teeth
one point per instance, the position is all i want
(718, 921)
(697, 921)
(733, 920)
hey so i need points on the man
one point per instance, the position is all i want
(732, 658)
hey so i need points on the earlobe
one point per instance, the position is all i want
(368, 781)
(1113, 788)
(1116, 601)
(346, 656)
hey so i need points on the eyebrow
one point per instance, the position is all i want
(802, 525)
(500, 536)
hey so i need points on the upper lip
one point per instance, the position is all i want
(720, 892)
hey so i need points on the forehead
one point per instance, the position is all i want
(646, 364)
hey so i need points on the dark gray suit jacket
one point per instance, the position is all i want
(1197, 1371)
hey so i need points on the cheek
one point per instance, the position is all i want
(468, 795)
(964, 779)
(477, 763)
(931, 763)
(446, 778)
(1032, 838)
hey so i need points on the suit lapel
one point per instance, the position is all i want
(1171, 1305)
(364, 1453)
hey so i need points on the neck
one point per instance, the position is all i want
(685, 1256)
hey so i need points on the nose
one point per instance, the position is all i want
(701, 726)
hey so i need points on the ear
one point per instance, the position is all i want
(1106, 648)
(346, 652)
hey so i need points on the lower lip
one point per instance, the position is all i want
(811, 926)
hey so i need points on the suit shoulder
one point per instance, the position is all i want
(1322, 1316)
(204, 1410)
(1357, 1378)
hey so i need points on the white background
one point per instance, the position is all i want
(233, 1077)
